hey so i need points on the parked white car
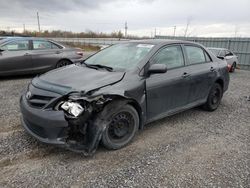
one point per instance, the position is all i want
(225, 54)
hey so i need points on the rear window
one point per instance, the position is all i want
(216, 52)
(43, 45)
(195, 55)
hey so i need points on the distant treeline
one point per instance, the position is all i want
(66, 34)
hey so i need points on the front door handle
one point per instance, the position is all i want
(212, 69)
(185, 75)
(26, 54)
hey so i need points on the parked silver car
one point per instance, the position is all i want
(229, 56)
(22, 55)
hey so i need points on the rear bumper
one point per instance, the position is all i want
(45, 125)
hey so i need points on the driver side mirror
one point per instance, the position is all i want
(157, 68)
(1, 50)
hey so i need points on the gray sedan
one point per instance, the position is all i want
(23, 55)
(227, 55)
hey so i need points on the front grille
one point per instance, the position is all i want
(39, 101)
(39, 98)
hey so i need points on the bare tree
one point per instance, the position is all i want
(187, 26)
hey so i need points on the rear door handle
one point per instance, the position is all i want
(212, 69)
(58, 52)
(26, 54)
(185, 75)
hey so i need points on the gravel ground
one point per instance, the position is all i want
(191, 149)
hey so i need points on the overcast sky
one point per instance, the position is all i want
(209, 18)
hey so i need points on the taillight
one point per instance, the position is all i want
(79, 53)
(228, 67)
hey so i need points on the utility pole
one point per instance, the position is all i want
(126, 29)
(38, 22)
(23, 28)
(174, 30)
(155, 33)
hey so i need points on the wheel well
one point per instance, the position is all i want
(220, 81)
(64, 59)
(134, 104)
(139, 111)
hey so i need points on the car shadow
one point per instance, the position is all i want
(17, 77)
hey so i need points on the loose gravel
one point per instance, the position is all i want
(191, 149)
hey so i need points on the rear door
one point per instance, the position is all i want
(16, 57)
(45, 55)
(202, 73)
(167, 92)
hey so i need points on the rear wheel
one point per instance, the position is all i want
(122, 128)
(63, 63)
(214, 98)
(233, 67)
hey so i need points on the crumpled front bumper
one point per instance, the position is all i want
(51, 127)
(46, 125)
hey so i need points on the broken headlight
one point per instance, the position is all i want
(73, 108)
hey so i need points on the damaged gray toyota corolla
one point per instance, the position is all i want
(114, 93)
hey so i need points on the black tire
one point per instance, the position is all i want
(233, 67)
(122, 129)
(214, 98)
(63, 63)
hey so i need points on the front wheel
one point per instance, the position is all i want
(122, 128)
(214, 98)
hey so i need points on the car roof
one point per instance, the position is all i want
(216, 48)
(161, 41)
(13, 38)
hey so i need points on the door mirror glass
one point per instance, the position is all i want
(157, 68)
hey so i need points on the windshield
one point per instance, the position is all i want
(215, 51)
(121, 56)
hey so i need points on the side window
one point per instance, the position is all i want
(222, 53)
(171, 56)
(208, 59)
(195, 55)
(54, 46)
(41, 45)
(228, 53)
(17, 45)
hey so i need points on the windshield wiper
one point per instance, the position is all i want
(98, 66)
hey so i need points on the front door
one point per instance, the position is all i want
(15, 57)
(167, 92)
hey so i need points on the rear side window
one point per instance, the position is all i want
(228, 53)
(223, 53)
(54, 46)
(43, 45)
(171, 56)
(195, 55)
(208, 59)
(17, 45)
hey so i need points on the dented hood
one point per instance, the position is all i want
(76, 77)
